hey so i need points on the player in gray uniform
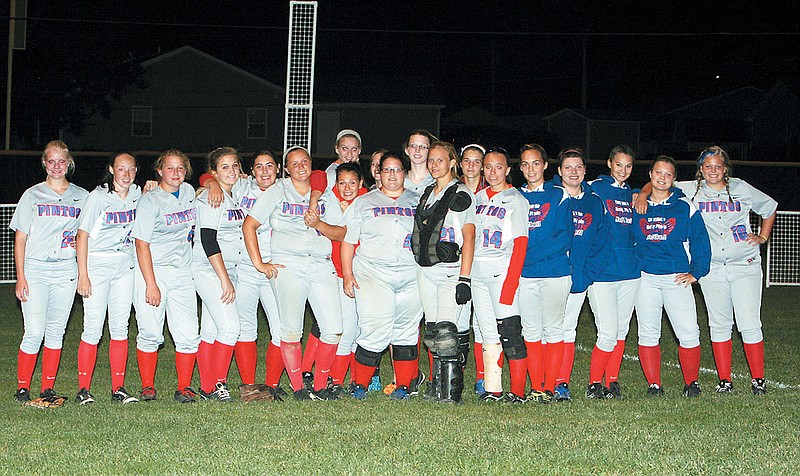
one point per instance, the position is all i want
(44, 223)
(301, 242)
(383, 278)
(252, 287)
(164, 231)
(501, 214)
(416, 148)
(443, 245)
(348, 149)
(733, 286)
(105, 273)
(215, 260)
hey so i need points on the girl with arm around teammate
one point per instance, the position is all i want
(44, 223)
(105, 273)
(301, 242)
(673, 247)
(164, 230)
(732, 289)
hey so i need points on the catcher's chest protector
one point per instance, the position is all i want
(425, 240)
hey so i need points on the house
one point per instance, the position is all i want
(596, 132)
(196, 102)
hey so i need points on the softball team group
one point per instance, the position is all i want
(439, 245)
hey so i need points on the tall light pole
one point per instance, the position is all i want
(11, 22)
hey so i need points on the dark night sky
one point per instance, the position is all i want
(416, 52)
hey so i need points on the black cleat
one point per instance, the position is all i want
(84, 397)
(759, 386)
(692, 390)
(595, 390)
(655, 390)
(22, 395)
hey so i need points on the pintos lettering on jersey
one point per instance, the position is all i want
(51, 210)
(719, 206)
(657, 228)
(299, 208)
(621, 211)
(126, 216)
(236, 214)
(491, 211)
(400, 211)
(248, 202)
(181, 217)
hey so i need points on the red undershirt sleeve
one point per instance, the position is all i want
(319, 180)
(511, 282)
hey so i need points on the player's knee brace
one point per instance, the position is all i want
(510, 330)
(367, 357)
(405, 352)
(429, 336)
(446, 339)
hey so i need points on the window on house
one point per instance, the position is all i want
(256, 123)
(141, 121)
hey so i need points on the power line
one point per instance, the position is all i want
(418, 32)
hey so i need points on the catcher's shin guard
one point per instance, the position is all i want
(463, 347)
(451, 374)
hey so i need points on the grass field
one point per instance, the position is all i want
(734, 434)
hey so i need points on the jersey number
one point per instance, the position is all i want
(448, 234)
(68, 239)
(739, 233)
(495, 239)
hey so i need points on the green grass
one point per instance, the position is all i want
(739, 433)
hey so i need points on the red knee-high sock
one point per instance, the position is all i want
(405, 371)
(292, 353)
(518, 373)
(362, 373)
(204, 368)
(147, 362)
(755, 358)
(615, 362)
(650, 358)
(567, 362)
(118, 360)
(535, 362)
(184, 367)
(722, 358)
(339, 368)
(478, 351)
(50, 360)
(87, 356)
(274, 364)
(246, 356)
(554, 355)
(598, 364)
(325, 355)
(690, 363)
(25, 365)
(430, 366)
(310, 353)
(222, 354)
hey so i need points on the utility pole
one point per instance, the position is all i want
(11, 24)
(583, 76)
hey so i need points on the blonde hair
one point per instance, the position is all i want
(59, 145)
(187, 164)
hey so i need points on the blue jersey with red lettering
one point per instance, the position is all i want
(622, 263)
(672, 238)
(550, 232)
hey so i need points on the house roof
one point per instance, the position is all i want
(207, 57)
(747, 97)
(599, 115)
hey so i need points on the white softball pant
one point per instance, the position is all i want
(313, 280)
(252, 286)
(219, 321)
(734, 289)
(612, 305)
(571, 314)
(347, 343)
(51, 293)
(657, 291)
(542, 304)
(465, 320)
(178, 303)
(111, 276)
(487, 283)
(437, 291)
(388, 306)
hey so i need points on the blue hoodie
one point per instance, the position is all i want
(663, 233)
(586, 255)
(550, 232)
(622, 263)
